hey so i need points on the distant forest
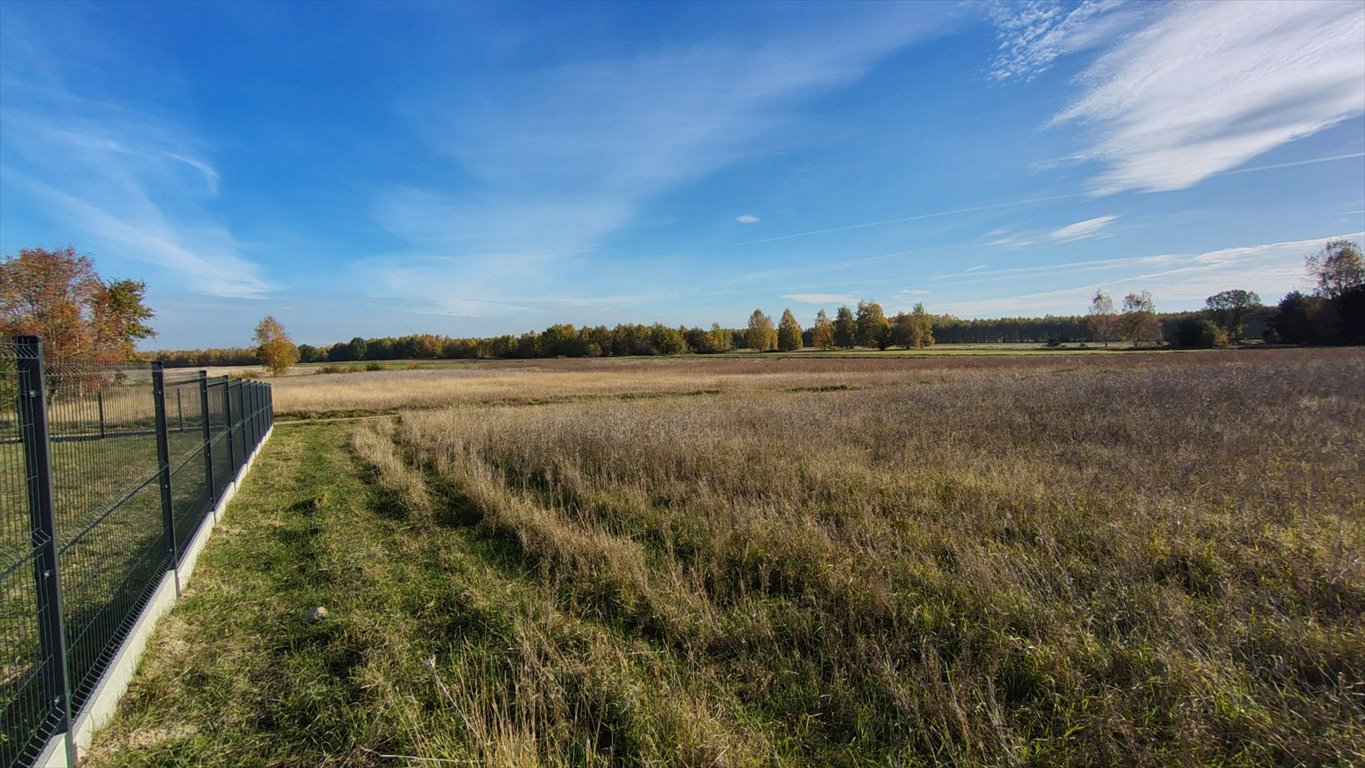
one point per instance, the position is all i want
(658, 339)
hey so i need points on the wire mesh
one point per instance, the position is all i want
(27, 716)
(101, 420)
(106, 514)
(218, 427)
(191, 497)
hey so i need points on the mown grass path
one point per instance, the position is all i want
(236, 675)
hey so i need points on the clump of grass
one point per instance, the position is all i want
(409, 490)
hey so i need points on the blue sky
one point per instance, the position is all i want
(471, 169)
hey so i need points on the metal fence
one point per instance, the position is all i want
(106, 474)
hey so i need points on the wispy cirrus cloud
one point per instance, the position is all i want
(204, 256)
(821, 298)
(553, 162)
(1183, 279)
(1184, 91)
(127, 185)
(919, 217)
(1081, 229)
(120, 179)
(1033, 34)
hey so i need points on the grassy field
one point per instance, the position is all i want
(939, 350)
(1069, 560)
(525, 382)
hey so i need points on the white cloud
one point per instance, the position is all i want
(1176, 280)
(205, 257)
(554, 161)
(1082, 229)
(121, 176)
(1033, 34)
(977, 268)
(747, 218)
(129, 184)
(821, 298)
(1201, 88)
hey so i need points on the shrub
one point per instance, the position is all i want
(1198, 333)
(334, 368)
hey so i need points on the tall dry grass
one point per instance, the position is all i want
(1143, 562)
(542, 381)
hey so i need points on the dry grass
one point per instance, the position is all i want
(541, 381)
(1123, 560)
(1150, 564)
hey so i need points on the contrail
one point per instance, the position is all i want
(1025, 201)
(1294, 163)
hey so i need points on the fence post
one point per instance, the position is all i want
(241, 427)
(249, 418)
(208, 441)
(251, 409)
(227, 425)
(163, 457)
(43, 525)
(99, 398)
(249, 395)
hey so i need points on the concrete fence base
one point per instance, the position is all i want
(99, 708)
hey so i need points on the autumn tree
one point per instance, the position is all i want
(873, 327)
(921, 327)
(845, 328)
(1197, 332)
(822, 333)
(1139, 322)
(760, 335)
(343, 352)
(788, 332)
(1338, 267)
(559, 340)
(720, 339)
(274, 347)
(59, 296)
(902, 330)
(665, 340)
(1103, 321)
(1230, 311)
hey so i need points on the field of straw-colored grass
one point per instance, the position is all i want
(540, 381)
(1152, 563)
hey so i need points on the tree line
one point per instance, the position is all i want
(58, 295)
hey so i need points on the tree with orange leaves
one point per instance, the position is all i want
(58, 295)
